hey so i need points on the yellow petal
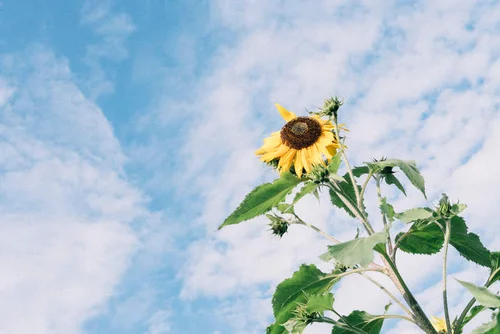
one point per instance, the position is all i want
(276, 153)
(298, 164)
(286, 160)
(287, 115)
(439, 324)
(305, 159)
(270, 143)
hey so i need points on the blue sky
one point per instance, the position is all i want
(127, 131)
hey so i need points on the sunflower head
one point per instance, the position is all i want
(303, 142)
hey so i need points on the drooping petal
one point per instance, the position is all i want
(298, 164)
(276, 153)
(287, 115)
(270, 143)
(286, 160)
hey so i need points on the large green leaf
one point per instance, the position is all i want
(483, 296)
(468, 244)
(427, 238)
(492, 327)
(357, 251)
(262, 199)
(360, 320)
(409, 168)
(307, 281)
(422, 238)
(414, 215)
(361, 170)
(347, 190)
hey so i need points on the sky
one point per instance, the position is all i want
(127, 132)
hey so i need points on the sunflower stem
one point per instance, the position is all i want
(326, 235)
(355, 211)
(365, 184)
(384, 218)
(387, 292)
(348, 166)
(445, 294)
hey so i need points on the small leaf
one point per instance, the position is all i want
(391, 179)
(360, 320)
(409, 168)
(333, 166)
(492, 327)
(262, 199)
(483, 296)
(307, 281)
(358, 171)
(319, 303)
(357, 251)
(413, 215)
(387, 209)
(422, 238)
(308, 188)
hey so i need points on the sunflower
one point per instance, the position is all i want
(439, 324)
(302, 142)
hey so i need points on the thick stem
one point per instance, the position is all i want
(462, 316)
(340, 324)
(420, 318)
(445, 294)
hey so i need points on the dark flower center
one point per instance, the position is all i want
(301, 132)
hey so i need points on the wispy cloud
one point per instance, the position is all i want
(112, 28)
(66, 206)
(415, 90)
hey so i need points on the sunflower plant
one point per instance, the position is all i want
(308, 152)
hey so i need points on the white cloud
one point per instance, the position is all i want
(66, 206)
(113, 29)
(421, 91)
(160, 323)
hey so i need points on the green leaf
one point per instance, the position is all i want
(333, 166)
(391, 179)
(262, 199)
(483, 296)
(421, 238)
(360, 320)
(468, 244)
(492, 327)
(413, 215)
(357, 251)
(409, 168)
(361, 170)
(307, 281)
(387, 209)
(347, 190)
(309, 187)
(495, 267)
(320, 303)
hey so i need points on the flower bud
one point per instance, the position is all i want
(331, 106)
(279, 226)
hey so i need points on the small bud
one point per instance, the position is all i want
(279, 226)
(331, 106)
(444, 208)
(319, 174)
